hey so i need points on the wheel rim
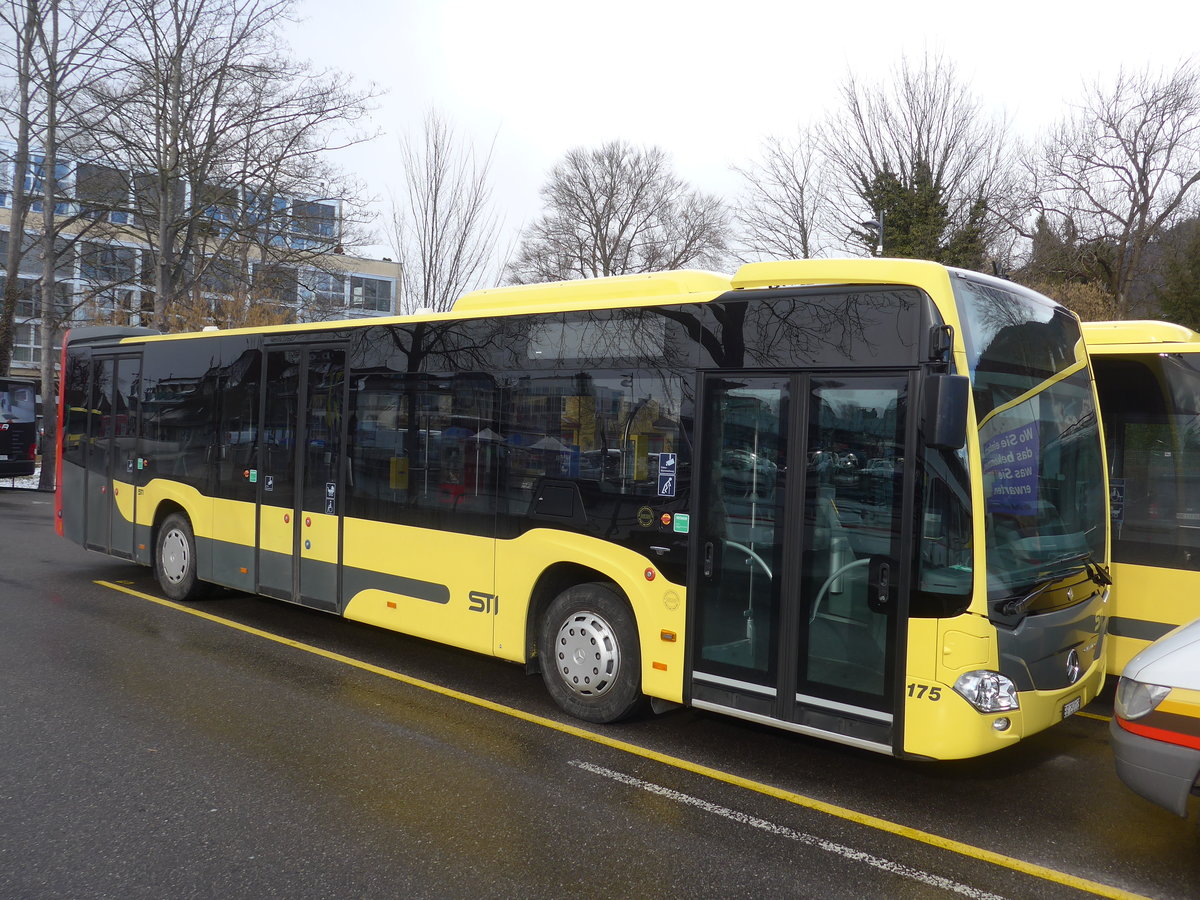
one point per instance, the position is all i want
(175, 558)
(587, 654)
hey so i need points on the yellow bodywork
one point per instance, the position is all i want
(491, 582)
(1159, 596)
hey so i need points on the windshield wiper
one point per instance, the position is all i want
(1084, 562)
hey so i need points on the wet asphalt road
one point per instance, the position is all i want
(148, 752)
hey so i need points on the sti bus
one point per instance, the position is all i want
(1148, 377)
(862, 500)
(18, 426)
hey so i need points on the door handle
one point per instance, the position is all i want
(708, 559)
(879, 598)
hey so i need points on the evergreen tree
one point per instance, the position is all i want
(1179, 296)
(917, 223)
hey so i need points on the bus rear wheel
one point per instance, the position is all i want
(175, 559)
(590, 659)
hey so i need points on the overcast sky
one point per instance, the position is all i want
(705, 81)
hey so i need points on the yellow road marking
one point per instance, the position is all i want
(1027, 868)
(1096, 716)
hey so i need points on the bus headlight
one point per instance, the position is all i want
(988, 692)
(1136, 698)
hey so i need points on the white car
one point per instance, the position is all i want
(1156, 728)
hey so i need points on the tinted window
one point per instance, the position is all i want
(236, 388)
(861, 327)
(179, 410)
(424, 445)
(1151, 408)
(76, 399)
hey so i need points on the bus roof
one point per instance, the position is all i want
(683, 284)
(1099, 335)
(649, 289)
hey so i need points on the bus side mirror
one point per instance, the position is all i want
(945, 424)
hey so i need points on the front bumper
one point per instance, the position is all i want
(1162, 773)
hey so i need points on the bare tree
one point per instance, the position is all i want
(1117, 171)
(617, 210)
(21, 18)
(445, 229)
(224, 139)
(57, 52)
(922, 144)
(74, 38)
(783, 209)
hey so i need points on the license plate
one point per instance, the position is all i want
(1072, 707)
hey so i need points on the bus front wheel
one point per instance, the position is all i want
(590, 659)
(175, 559)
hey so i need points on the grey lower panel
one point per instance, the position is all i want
(274, 574)
(1162, 773)
(318, 580)
(1037, 654)
(73, 486)
(318, 584)
(857, 730)
(143, 549)
(836, 734)
(227, 561)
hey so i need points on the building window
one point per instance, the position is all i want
(269, 217)
(103, 192)
(314, 223)
(107, 264)
(27, 345)
(31, 262)
(120, 306)
(370, 294)
(35, 183)
(322, 290)
(222, 275)
(220, 205)
(275, 283)
(29, 301)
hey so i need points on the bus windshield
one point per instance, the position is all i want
(1039, 438)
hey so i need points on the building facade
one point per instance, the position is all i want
(276, 259)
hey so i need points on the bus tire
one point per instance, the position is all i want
(590, 658)
(175, 559)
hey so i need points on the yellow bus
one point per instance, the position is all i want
(1148, 377)
(862, 500)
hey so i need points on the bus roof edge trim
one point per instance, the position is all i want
(591, 290)
(836, 271)
(1138, 331)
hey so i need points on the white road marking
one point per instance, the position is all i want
(849, 853)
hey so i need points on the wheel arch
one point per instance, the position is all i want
(164, 509)
(555, 579)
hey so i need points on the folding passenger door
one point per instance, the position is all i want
(112, 453)
(303, 465)
(799, 579)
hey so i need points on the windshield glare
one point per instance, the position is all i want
(1043, 478)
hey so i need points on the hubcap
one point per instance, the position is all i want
(174, 560)
(587, 654)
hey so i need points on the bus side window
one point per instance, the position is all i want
(944, 563)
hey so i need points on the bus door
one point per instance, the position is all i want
(112, 453)
(301, 475)
(798, 579)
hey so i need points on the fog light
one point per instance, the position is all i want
(988, 692)
(1001, 724)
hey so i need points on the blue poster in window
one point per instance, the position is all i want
(1010, 470)
(666, 474)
